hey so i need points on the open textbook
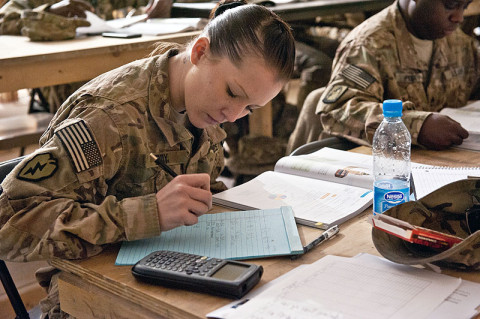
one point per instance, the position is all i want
(324, 188)
(468, 116)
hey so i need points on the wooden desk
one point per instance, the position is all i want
(96, 288)
(25, 64)
(295, 11)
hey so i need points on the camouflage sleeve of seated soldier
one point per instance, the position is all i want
(378, 61)
(59, 201)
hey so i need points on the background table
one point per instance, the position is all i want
(96, 288)
(25, 64)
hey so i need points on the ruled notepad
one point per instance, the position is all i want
(428, 179)
(229, 235)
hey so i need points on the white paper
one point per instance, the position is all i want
(428, 179)
(468, 116)
(359, 289)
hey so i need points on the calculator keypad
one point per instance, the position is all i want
(181, 262)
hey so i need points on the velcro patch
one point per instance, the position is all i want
(335, 93)
(358, 76)
(80, 145)
(40, 167)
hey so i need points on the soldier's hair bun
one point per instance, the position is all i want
(226, 6)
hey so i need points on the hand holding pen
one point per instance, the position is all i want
(183, 199)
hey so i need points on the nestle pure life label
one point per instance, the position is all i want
(388, 193)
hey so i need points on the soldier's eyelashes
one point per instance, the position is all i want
(230, 93)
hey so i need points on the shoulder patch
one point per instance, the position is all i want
(335, 93)
(358, 76)
(80, 145)
(40, 167)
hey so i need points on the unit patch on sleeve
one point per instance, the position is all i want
(40, 167)
(334, 94)
(80, 145)
(358, 76)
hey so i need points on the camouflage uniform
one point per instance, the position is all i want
(377, 61)
(92, 182)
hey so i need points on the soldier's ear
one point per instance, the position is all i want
(199, 49)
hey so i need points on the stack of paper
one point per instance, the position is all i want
(365, 286)
(140, 24)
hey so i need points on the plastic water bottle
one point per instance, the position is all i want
(391, 150)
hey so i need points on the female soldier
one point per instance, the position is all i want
(93, 181)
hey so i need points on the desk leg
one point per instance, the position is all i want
(260, 121)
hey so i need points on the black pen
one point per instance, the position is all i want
(332, 231)
(163, 165)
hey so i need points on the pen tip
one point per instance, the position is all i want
(153, 156)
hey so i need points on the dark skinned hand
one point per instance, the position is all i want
(439, 132)
(71, 8)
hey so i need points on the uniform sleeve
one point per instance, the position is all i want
(351, 106)
(55, 203)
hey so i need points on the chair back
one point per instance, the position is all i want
(7, 281)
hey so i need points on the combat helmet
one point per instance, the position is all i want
(452, 209)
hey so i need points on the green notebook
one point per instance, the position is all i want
(230, 235)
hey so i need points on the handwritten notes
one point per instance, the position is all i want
(231, 235)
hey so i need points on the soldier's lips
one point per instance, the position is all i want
(211, 120)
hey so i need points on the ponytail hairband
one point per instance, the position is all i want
(226, 6)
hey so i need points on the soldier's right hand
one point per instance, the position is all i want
(439, 132)
(71, 8)
(183, 200)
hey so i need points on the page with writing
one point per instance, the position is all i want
(314, 202)
(355, 288)
(331, 165)
(229, 235)
(428, 179)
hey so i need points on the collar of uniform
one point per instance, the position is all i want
(404, 41)
(162, 112)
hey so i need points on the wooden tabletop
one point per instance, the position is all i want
(28, 64)
(97, 288)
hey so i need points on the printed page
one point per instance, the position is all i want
(318, 201)
(461, 304)
(464, 303)
(331, 165)
(230, 235)
(355, 288)
(428, 179)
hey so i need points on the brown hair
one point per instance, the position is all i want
(237, 30)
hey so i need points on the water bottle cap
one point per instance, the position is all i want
(392, 108)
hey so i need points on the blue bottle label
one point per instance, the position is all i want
(385, 197)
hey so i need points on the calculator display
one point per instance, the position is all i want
(230, 271)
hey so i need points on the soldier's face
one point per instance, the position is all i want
(217, 91)
(435, 19)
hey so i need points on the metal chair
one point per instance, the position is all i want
(332, 142)
(7, 281)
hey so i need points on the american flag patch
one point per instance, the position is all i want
(358, 76)
(81, 146)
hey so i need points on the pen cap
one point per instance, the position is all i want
(443, 210)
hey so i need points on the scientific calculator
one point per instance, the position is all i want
(226, 278)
